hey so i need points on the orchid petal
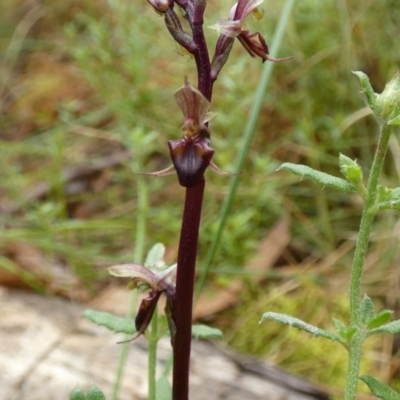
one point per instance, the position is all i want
(227, 27)
(193, 104)
(137, 272)
(245, 7)
(168, 275)
(233, 12)
(219, 171)
(209, 116)
(164, 172)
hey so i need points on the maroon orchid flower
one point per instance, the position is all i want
(192, 154)
(233, 27)
(159, 281)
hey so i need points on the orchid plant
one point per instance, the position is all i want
(191, 156)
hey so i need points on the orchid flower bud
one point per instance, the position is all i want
(161, 6)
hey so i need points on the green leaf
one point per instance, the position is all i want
(110, 321)
(204, 332)
(390, 205)
(298, 323)
(344, 332)
(367, 309)
(155, 256)
(394, 121)
(77, 394)
(372, 97)
(379, 319)
(340, 327)
(350, 169)
(388, 199)
(380, 389)
(94, 393)
(163, 389)
(392, 327)
(320, 177)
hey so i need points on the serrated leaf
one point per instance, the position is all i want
(110, 321)
(380, 389)
(155, 255)
(320, 177)
(163, 389)
(94, 393)
(205, 332)
(77, 394)
(392, 327)
(367, 309)
(379, 319)
(298, 323)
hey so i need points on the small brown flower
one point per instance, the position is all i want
(233, 27)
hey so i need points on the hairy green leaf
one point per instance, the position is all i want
(320, 177)
(380, 389)
(340, 327)
(351, 170)
(94, 393)
(163, 389)
(367, 309)
(298, 323)
(392, 327)
(110, 321)
(379, 319)
(372, 97)
(388, 198)
(204, 332)
(77, 394)
(395, 121)
(344, 332)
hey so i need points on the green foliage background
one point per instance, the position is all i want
(81, 80)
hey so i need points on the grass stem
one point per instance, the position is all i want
(138, 254)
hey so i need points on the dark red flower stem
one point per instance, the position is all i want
(182, 312)
(183, 304)
(201, 56)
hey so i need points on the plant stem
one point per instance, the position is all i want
(368, 215)
(201, 56)
(138, 254)
(365, 226)
(153, 340)
(354, 365)
(182, 312)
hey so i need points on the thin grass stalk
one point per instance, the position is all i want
(152, 356)
(138, 254)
